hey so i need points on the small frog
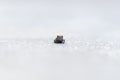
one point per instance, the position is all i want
(59, 40)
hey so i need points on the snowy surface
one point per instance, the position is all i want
(41, 59)
(91, 29)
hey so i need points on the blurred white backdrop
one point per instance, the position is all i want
(43, 18)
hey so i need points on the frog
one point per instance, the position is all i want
(59, 39)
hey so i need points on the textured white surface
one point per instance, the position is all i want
(41, 59)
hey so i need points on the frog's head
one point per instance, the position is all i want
(59, 37)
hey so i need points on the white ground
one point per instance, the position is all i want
(91, 29)
(41, 59)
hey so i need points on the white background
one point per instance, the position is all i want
(40, 18)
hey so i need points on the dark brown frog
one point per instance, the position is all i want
(59, 40)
